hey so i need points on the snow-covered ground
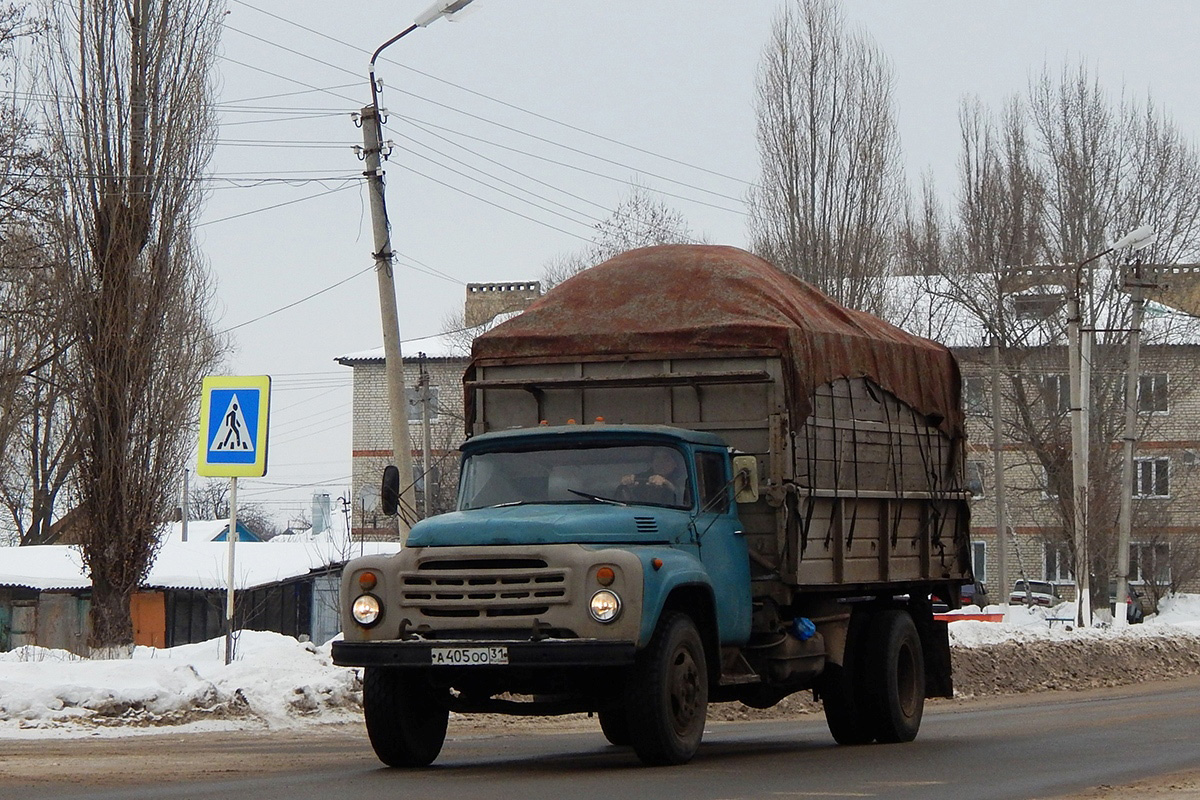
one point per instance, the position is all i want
(277, 682)
(274, 681)
(1178, 616)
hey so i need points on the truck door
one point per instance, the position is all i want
(722, 545)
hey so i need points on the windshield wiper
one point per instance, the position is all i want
(508, 504)
(595, 498)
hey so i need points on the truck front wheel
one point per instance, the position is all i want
(614, 723)
(896, 667)
(667, 697)
(406, 716)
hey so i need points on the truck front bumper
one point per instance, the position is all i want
(551, 653)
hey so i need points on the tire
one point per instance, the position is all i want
(614, 723)
(846, 703)
(406, 716)
(896, 677)
(666, 700)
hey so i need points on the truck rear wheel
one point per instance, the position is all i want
(896, 675)
(406, 716)
(667, 697)
(843, 692)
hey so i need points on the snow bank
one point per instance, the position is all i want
(275, 681)
(1178, 616)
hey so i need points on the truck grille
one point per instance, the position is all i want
(522, 587)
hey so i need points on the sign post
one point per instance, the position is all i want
(234, 412)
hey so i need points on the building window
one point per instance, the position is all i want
(975, 395)
(1056, 393)
(413, 395)
(1150, 562)
(1151, 477)
(975, 479)
(979, 561)
(1152, 394)
(1048, 490)
(1058, 562)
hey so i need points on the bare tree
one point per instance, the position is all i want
(1042, 187)
(36, 438)
(133, 128)
(639, 220)
(831, 190)
(210, 500)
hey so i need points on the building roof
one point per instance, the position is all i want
(186, 565)
(206, 530)
(932, 306)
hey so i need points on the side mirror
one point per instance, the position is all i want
(745, 479)
(389, 495)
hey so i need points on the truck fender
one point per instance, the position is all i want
(667, 572)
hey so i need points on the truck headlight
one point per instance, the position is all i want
(605, 606)
(366, 610)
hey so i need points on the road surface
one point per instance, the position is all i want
(1044, 745)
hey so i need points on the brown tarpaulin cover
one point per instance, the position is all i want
(694, 299)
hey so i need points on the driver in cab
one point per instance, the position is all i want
(663, 482)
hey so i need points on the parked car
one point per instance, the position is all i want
(1135, 603)
(1035, 593)
(971, 594)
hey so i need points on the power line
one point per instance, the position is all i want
(584, 170)
(493, 204)
(484, 96)
(588, 223)
(492, 122)
(298, 302)
(277, 205)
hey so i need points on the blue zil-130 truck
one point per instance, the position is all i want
(689, 478)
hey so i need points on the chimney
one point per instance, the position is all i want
(486, 300)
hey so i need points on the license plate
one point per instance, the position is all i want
(468, 656)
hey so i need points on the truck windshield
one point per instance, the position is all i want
(630, 474)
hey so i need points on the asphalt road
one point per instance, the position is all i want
(1032, 746)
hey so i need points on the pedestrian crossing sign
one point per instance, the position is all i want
(233, 426)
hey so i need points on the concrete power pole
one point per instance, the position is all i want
(389, 316)
(426, 439)
(998, 469)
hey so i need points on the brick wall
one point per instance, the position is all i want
(1033, 517)
(371, 436)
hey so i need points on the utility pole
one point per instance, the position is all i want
(1079, 448)
(998, 468)
(1136, 284)
(372, 126)
(426, 478)
(186, 512)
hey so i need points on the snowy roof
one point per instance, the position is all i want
(186, 565)
(200, 530)
(931, 306)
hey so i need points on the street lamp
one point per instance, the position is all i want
(1079, 356)
(372, 126)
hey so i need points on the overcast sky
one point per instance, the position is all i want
(522, 124)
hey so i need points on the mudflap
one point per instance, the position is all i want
(935, 645)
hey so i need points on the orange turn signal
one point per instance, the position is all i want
(605, 576)
(656, 563)
(367, 580)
